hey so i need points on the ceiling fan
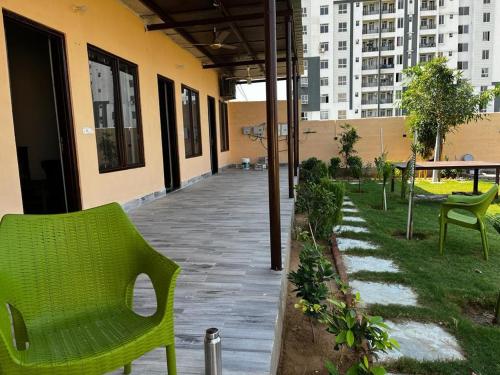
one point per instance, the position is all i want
(218, 41)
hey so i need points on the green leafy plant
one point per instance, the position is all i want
(338, 189)
(348, 138)
(365, 367)
(304, 196)
(310, 280)
(312, 170)
(366, 335)
(334, 167)
(384, 172)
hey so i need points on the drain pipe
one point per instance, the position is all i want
(213, 354)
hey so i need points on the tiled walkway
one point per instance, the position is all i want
(218, 231)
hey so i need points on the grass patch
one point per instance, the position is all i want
(451, 288)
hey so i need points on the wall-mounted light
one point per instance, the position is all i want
(79, 8)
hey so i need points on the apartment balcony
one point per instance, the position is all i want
(428, 7)
(387, 48)
(386, 66)
(369, 84)
(386, 101)
(369, 49)
(428, 45)
(387, 82)
(369, 67)
(388, 29)
(389, 11)
(428, 27)
(369, 101)
(371, 31)
(371, 12)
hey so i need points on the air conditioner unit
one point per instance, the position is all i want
(227, 88)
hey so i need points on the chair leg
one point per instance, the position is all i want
(172, 368)
(484, 240)
(443, 227)
(127, 369)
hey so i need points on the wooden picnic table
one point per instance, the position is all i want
(457, 164)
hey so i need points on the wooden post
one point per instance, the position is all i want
(289, 106)
(296, 132)
(272, 136)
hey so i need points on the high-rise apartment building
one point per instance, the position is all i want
(355, 51)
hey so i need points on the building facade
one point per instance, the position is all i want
(355, 51)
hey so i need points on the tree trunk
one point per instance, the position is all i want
(437, 155)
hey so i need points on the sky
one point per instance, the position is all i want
(257, 91)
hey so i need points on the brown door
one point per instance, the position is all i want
(41, 110)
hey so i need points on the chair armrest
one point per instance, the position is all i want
(464, 199)
(6, 339)
(163, 273)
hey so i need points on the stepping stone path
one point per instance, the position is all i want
(419, 341)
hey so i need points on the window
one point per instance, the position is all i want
(224, 127)
(484, 72)
(323, 64)
(323, 47)
(400, 23)
(191, 117)
(463, 11)
(463, 29)
(323, 81)
(342, 80)
(323, 28)
(323, 115)
(441, 20)
(306, 64)
(342, 63)
(399, 59)
(463, 65)
(303, 116)
(486, 36)
(342, 45)
(486, 1)
(399, 77)
(486, 17)
(115, 97)
(324, 98)
(304, 98)
(463, 47)
(304, 82)
(323, 10)
(342, 97)
(342, 114)
(342, 27)
(486, 54)
(305, 48)
(342, 8)
(304, 12)
(440, 38)
(399, 41)
(441, 3)
(304, 29)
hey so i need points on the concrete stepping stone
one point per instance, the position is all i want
(349, 244)
(422, 342)
(350, 228)
(351, 210)
(348, 203)
(355, 263)
(383, 293)
(354, 219)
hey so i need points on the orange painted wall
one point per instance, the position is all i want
(110, 25)
(481, 139)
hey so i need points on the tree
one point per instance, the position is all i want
(438, 99)
(347, 140)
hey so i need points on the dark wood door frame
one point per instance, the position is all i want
(168, 118)
(62, 96)
(212, 126)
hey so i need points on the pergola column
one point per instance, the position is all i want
(289, 106)
(272, 133)
(296, 137)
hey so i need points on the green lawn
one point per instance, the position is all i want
(444, 284)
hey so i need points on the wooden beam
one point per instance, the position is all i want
(289, 106)
(272, 134)
(240, 63)
(211, 21)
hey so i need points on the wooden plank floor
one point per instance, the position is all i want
(218, 232)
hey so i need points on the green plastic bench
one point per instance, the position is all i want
(66, 293)
(475, 205)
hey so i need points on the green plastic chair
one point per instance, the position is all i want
(477, 205)
(66, 292)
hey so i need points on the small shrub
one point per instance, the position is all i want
(338, 189)
(334, 167)
(323, 208)
(355, 165)
(312, 170)
(304, 196)
(310, 280)
(384, 172)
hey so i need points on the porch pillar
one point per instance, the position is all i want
(296, 137)
(272, 134)
(289, 106)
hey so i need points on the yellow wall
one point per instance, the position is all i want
(109, 25)
(481, 139)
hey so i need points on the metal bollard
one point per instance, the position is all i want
(213, 355)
